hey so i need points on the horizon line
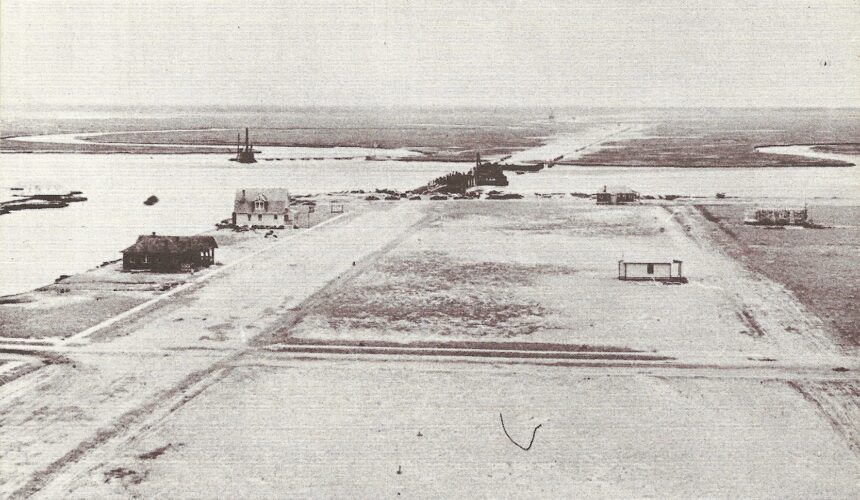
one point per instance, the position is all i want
(213, 106)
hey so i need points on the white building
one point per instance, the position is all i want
(264, 208)
(777, 216)
(651, 270)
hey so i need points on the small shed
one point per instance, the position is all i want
(665, 271)
(169, 253)
(616, 195)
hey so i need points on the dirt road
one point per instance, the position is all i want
(129, 367)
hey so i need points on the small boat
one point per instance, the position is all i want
(152, 200)
(33, 204)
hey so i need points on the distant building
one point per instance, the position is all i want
(487, 174)
(169, 253)
(667, 271)
(616, 195)
(245, 155)
(262, 208)
(784, 216)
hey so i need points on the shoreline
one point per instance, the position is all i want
(112, 290)
(358, 199)
(89, 143)
(418, 159)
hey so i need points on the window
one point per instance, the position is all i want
(276, 216)
(260, 217)
(650, 268)
(249, 217)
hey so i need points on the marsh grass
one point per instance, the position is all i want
(432, 291)
(818, 265)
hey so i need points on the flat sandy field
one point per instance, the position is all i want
(362, 429)
(78, 302)
(546, 271)
(349, 362)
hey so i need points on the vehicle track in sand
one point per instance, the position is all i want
(769, 309)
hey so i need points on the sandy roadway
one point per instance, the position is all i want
(178, 402)
(140, 361)
(573, 145)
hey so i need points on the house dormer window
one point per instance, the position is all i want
(260, 204)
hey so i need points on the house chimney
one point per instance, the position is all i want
(153, 233)
(243, 194)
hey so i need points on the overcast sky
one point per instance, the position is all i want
(302, 52)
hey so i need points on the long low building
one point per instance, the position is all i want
(651, 270)
(169, 253)
(777, 216)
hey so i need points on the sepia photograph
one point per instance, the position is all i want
(429, 249)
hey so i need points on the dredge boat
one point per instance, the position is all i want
(245, 155)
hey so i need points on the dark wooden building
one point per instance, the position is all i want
(169, 253)
(616, 195)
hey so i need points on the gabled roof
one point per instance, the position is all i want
(619, 188)
(277, 199)
(268, 194)
(171, 244)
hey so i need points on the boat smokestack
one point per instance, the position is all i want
(246, 154)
